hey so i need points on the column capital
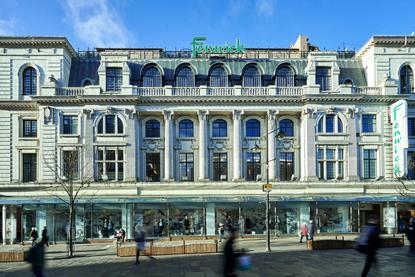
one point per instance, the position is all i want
(131, 113)
(168, 114)
(309, 113)
(202, 115)
(272, 114)
(88, 112)
(237, 114)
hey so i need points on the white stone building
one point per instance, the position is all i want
(178, 144)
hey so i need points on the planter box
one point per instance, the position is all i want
(12, 256)
(348, 244)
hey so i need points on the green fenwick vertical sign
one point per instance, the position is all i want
(199, 48)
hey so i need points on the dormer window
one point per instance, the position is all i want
(323, 77)
(406, 79)
(113, 79)
(152, 77)
(251, 77)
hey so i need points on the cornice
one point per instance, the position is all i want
(13, 105)
(126, 99)
(9, 41)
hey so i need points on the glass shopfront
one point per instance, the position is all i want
(152, 218)
(253, 220)
(102, 220)
(186, 220)
(228, 215)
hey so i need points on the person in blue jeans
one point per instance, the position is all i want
(370, 239)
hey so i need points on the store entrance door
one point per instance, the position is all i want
(367, 210)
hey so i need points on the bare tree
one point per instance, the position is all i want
(71, 178)
(406, 185)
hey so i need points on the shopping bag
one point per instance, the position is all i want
(244, 262)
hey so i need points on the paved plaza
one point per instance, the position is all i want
(288, 258)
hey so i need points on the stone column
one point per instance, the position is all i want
(87, 157)
(308, 147)
(271, 133)
(4, 224)
(168, 145)
(203, 153)
(237, 145)
(130, 150)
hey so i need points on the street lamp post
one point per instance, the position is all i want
(267, 187)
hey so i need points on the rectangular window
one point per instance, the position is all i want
(70, 124)
(110, 164)
(153, 167)
(286, 166)
(186, 166)
(369, 123)
(411, 126)
(29, 128)
(323, 78)
(70, 164)
(220, 166)
(253, 165)
(369, 163)
(113, 79)
(29, 167)
(330, 163)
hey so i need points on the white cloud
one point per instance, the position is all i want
(6, 27)
(96, 23)
(265, 7)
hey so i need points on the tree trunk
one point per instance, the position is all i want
(71, 229)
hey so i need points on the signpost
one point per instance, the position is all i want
(399, 115)
(266, 187)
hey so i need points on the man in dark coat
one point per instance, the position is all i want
(33, 236)
(410, 233)
(36, 257)
(370, 237)
(45, 237)
(230, 255)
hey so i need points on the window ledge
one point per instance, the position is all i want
(372, 134)
(69, 135)
(333, 134)
(152, 138)
(219, 138)
(28, 138)
(110, 135)
(186, 138)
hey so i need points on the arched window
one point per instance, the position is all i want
(251, 77)
(29, 81)
(153, 128)
(110, 124)
(185, 77)
(86, 83)
(285, 76)
(152, 77)
(219, 128)
(287, 127)
(406, 78)
(253, 128)
(330, 123)
(186, 128)
(218, 77)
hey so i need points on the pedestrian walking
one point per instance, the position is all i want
(303, 231)
(310, 230)
(140, 241)
(36, 257)
(368, 243)
(33, 236)
(221, 231)
(230, 255)
(410, 233)
(45, 237)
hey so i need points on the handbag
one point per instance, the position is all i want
(244, 262)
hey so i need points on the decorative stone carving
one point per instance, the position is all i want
(88, 112)
(49, 115)
(331, 110)
(351, 112)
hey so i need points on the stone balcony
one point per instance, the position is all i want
(169, 91)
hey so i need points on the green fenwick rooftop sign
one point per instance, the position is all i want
(199, 48)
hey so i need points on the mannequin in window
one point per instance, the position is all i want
(186, 224)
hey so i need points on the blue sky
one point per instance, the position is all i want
(171, 24)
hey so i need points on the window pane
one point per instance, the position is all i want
(70, 164)
(320, 154)
(29, 128)
(339, 125)
(110, 168)
(340, 170)
(219, 128)
(152, 129)
(29, 81)
(153, 167)
(340, 154)
(411, 126)
(110, 124)
(329, 123)
(113, 79)
(251, 77)
(100, 155)
(120, 171)
(253, 166)
(406, 79)
(323, 78)
(285, 77)
(330, 154)
(120, 155)
(110, 155)
(185, 77)
(218, 77)
(100, 126)
(287, 127)
(253, 128)
(286, 165)
(330, 170)
(220, 166)
(29, 167)
(120, 126)
(152, 77)
(70, 124)
(186, 128)
(369, 123)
